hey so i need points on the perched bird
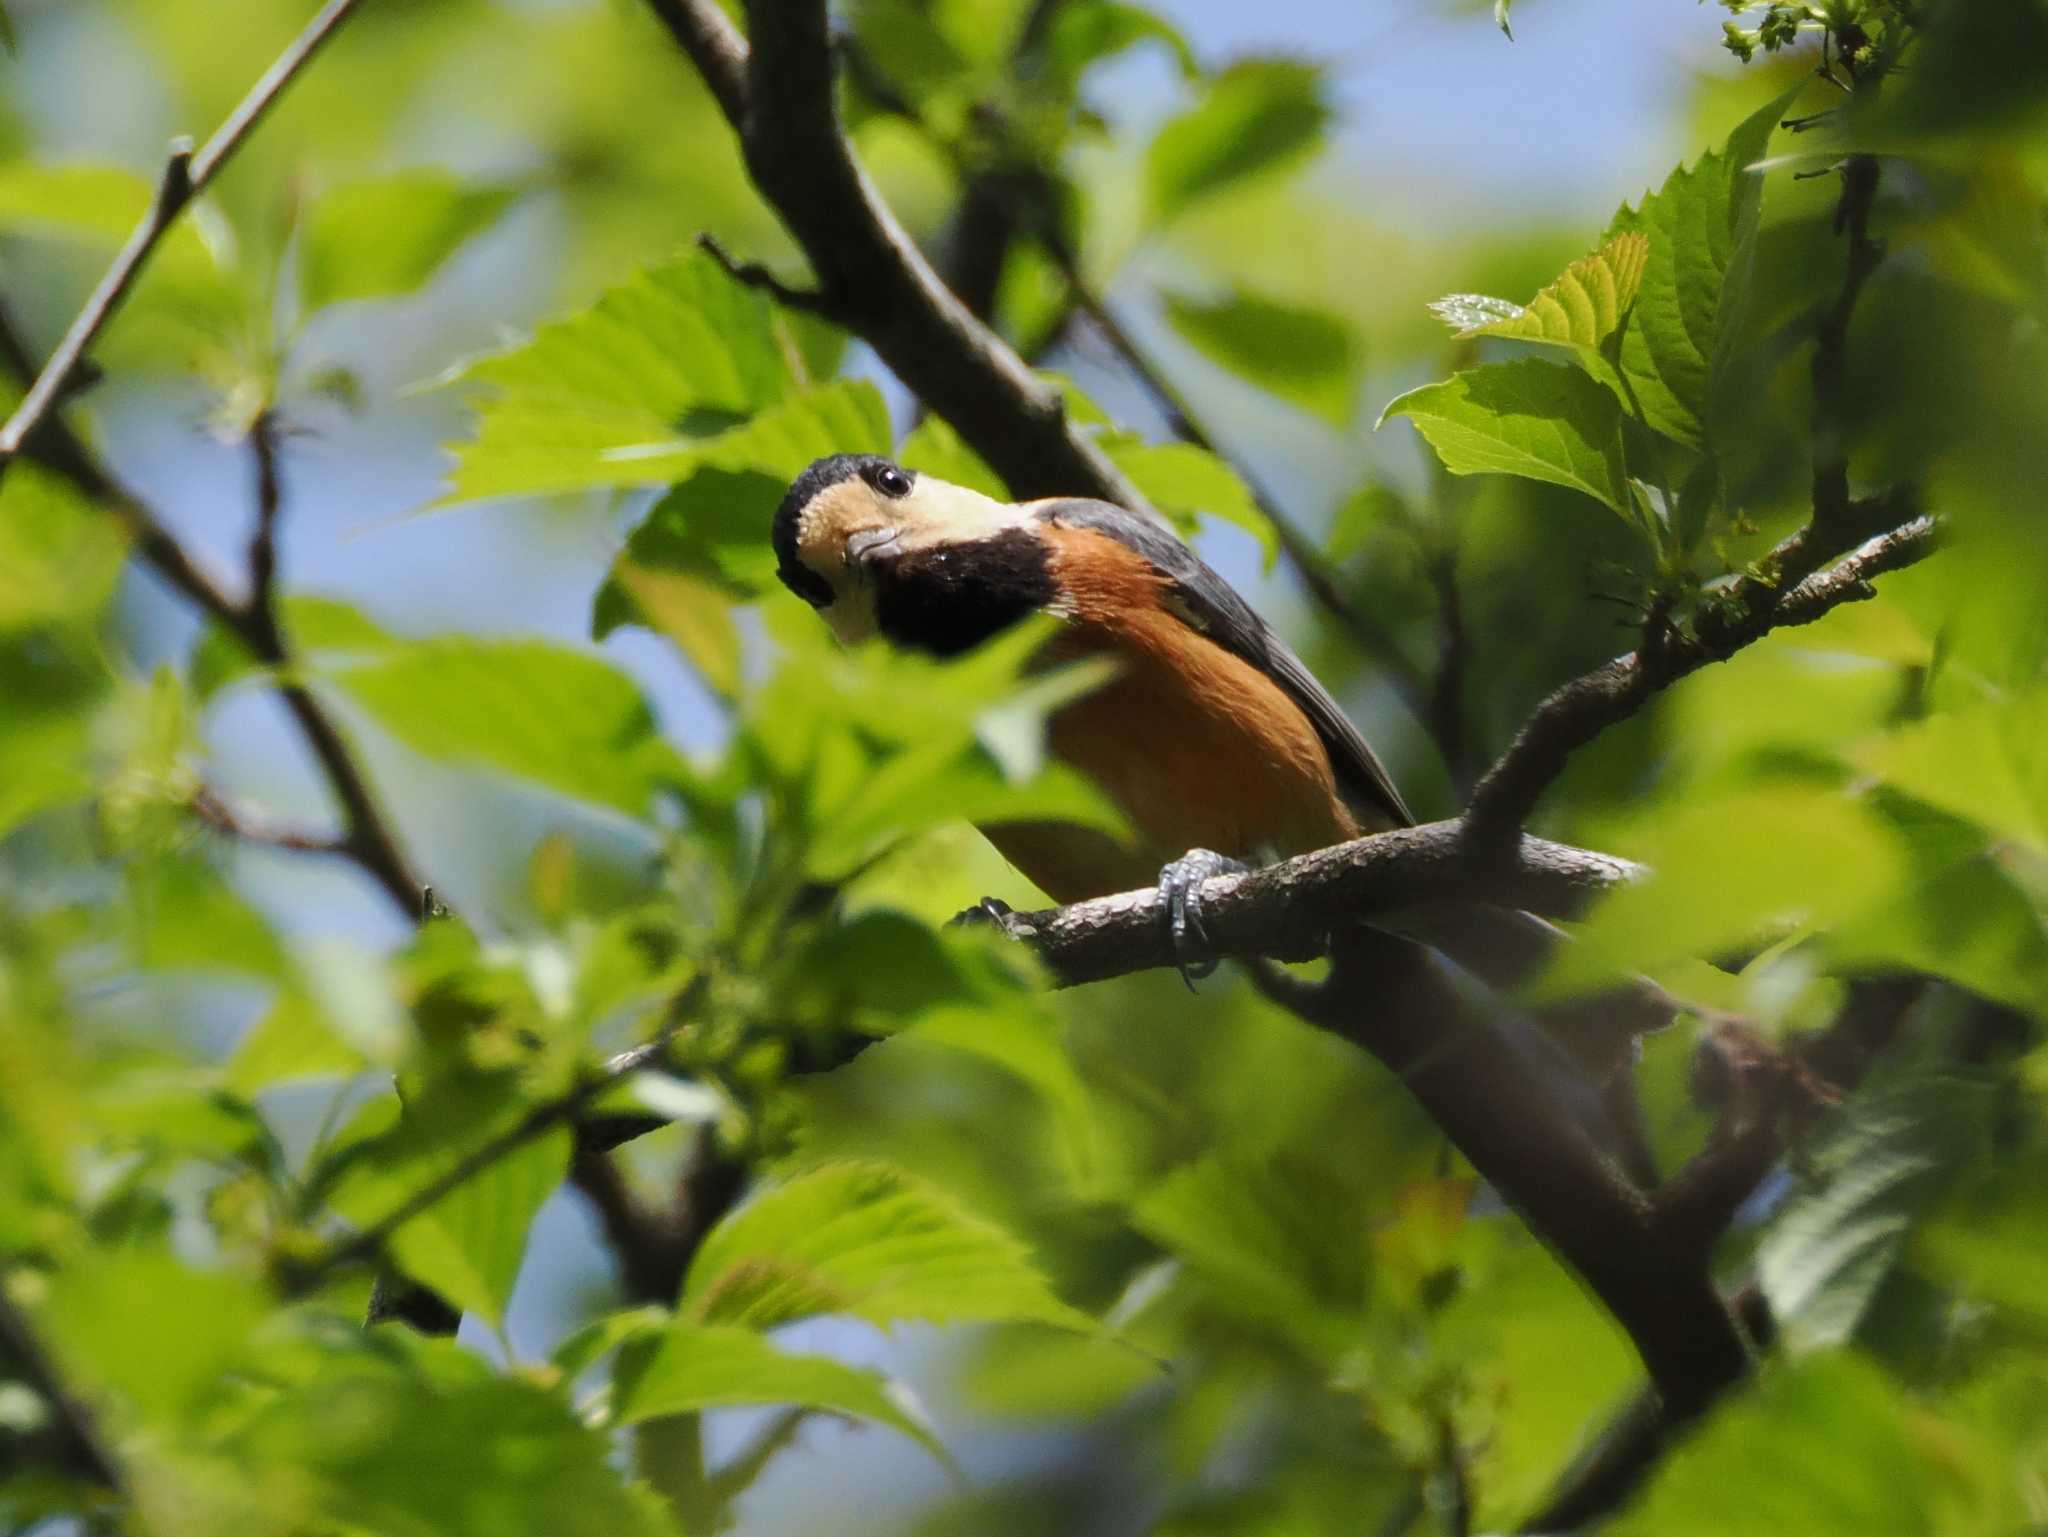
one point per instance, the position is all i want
(1214, 740)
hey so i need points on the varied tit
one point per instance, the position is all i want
(1211, 736)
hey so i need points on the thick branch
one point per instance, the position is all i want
(1739, 616)
(185, 176)
(1288, 911)
(871, 275)
(82, 1443)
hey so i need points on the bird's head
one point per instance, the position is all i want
(850, 518)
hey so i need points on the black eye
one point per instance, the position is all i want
(889, 480)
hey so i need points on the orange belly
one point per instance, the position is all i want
(1197, 747)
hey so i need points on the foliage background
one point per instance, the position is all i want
(1315, 1321)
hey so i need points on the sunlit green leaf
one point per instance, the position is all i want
(1307, 356)
(935, 448)
(527, 708)
(1256, 117)
(59, 555)
(695, 1366)
(388, 235)
(291, 1041)
(1544, 421)
(872, 1242)
(317, 629)
(1084, 34)
(1580, 310)
(1701, 226)
(1988, 765)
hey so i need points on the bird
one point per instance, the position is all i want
(1211, 736)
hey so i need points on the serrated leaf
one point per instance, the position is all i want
(868, 1241)
(691, 1367)
(527, 708)
(1896, 1148)
(1542, 421)
(388, 235)
(627, 391)
(1580, 308)
(1701, 225)
(1257, 117)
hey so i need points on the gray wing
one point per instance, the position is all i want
(1214, 608)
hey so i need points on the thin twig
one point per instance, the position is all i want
(1744, 610)
(304, 1276)
(754, 275)
(210, 808)
(185, 176)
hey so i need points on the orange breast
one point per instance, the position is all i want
(1198, 747)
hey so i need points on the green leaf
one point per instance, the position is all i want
(1306, 356)
(1820, 1444)
(1257, 117)
(1265, 1239)
(1189, 483)
(1580, 308)
(1895, 1150)
(290, 1042)
(1701, 225)
(8, 40)
(626, 392)
(1729, 867)
(527, 708)
(468, 1245)
(1084, 34)
(60, 556)
(935, 448)
(868, 1241)
(691, 1367)
(1542, 421)
(100, 204)
(691, 612)
(1988, 765)
(1500, 19)
(388, 235)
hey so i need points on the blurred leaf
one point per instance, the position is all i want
(1992, 1242)
(868, 1241)
(713, 527)
(1988, 765)
(388, 235)
(1303, 355)
(60, 556)
(290, 1042)
(1255, 118)
(185, 916)
(1540, 420)
(1701, 226)
(370, 1435)
(527, 708)
(935, 448)
(691, 612)
(1730, 867)
(1265, 1239)
(161, 1336)
(468, 1245)
(1082, 35)
(694, 1366)
(1969, 922)
(1896, 1147)
(101, 204)
(8, 40)
(1500, 19)
(1189, 483)
(1819, 1444)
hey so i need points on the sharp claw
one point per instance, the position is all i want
(1180, 886)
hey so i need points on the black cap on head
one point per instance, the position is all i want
(823, 473)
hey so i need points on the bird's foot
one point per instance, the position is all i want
(1180, 885)
(992, 912)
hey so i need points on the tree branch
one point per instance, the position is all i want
(1740, 613)
(779, 96)
(185, 176)
(82, 1441)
